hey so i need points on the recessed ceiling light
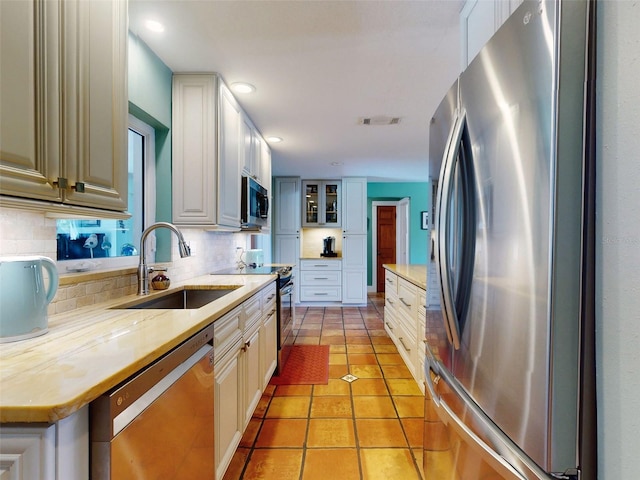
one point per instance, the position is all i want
(274, 139)
(154, 26)
(242, 87)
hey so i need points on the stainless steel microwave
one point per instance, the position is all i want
(255, 203)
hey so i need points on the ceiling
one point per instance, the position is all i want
(319, 67)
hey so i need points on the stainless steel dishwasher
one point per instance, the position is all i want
(159, 424)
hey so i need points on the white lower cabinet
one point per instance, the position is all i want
(268, 335)
(320, 280)
(252, 379)
(246, 339)
(227, 341)
(404, 321)
(46, 452)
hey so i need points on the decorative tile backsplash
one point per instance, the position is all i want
(31, 233)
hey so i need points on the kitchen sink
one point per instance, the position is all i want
(182, 299)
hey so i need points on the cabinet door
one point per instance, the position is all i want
(228, 414)
(229, 162)
(29, 99)
(354, 206)
(194, 150)
(95, 103)
(251, 374)
(287, 206)
(265, 165)
(246, 147)
(321, 203)
(354, 269)
(28, 452)
(269, 346)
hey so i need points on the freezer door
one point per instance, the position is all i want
(461, 443)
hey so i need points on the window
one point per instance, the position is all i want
(104, 243)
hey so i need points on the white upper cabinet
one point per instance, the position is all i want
(354, 210)
(286, 213)
(321, 203)
(212, 141)
(479, 20)
(63, 94)
(229, 162)
(256, 155)
(194, 144)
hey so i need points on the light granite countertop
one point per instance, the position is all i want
(416, 274)
(92, 349)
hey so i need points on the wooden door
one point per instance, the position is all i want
(386, 239)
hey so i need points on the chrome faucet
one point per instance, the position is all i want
(143, 270)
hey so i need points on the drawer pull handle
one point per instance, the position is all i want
(390, 301)
(271, 296)
(406, 304)
(247, 346)
(320, 293)
(389, 325)
(321, 265)
(402, 342)
(321, 278)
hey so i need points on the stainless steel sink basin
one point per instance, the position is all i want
(181, 299)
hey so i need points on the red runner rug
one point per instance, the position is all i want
(307, 365)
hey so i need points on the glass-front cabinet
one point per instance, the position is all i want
(321, 203)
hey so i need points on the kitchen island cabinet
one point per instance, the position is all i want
(47, 382)
(404, 314)
(67, 151)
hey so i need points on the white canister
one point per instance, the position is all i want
(24, 296)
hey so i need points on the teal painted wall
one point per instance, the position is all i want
(419, 195)
(150, 100)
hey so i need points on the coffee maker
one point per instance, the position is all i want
(329, 247)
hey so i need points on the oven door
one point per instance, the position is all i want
(286, 323)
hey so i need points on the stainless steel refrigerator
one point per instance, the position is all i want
(509, 355)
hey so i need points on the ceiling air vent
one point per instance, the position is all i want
(379, 120)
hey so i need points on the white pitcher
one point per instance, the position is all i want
(24, 298)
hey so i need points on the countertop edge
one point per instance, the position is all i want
(103, 330)
(414, 273)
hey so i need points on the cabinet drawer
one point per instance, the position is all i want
(226, 332)
(410, 324)
(390, 282)
(322, 277)
(408, 297)
(320, 294)
(320, 265)
(251, 312)
(268, 298)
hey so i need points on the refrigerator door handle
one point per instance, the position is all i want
(430, 365)
(505, 453)
(444, 194)
(497, 462)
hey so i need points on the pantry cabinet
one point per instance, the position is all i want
(321, 203)
(63, 125)
(354, 241)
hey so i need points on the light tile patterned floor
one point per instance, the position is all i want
(369, 429)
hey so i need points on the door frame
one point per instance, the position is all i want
(402, 244)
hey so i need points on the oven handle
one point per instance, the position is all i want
(287, 289)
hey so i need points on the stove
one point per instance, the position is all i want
(285, 304)
(283, 271)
